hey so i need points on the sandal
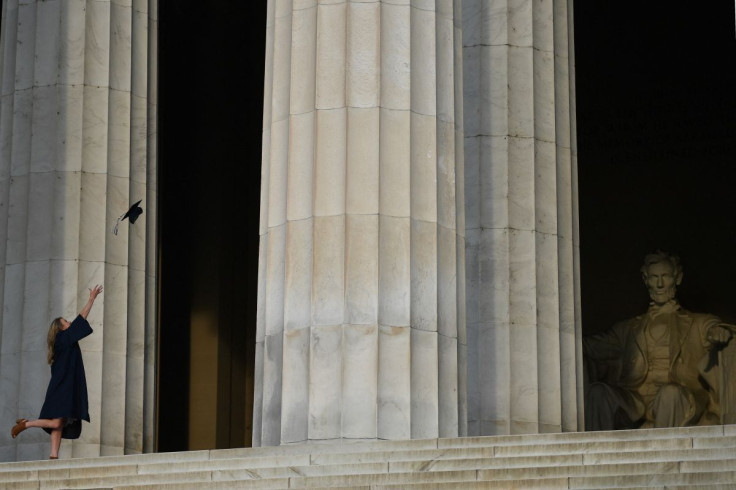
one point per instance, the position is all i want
(53, 457)
(20, 426)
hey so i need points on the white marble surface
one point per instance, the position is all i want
(361, 269)
(446, 65)
(265, 178)
(119, 161)
(424, 384)
(395, 57)
(325, 382)
(394, 173)
(362, 67)
(447, 198)
(521, 270)
(424, 285)
(301, 167)
(394, 271)
(328, 273)
(331, 55)
(121, 53)
(303, 52)
(70, 128)
(20, 157)
(270, 392)
(394, 383)
(294, 403)
(423, 178)
(423, 63)
(371, 199)
(277, 172)
(447, 290)
(363, 168)
(97, 44)
(95, 125)
(258, 405)
(77, 145)
(274, 282)
(298, 274)
(329, 168)
(281, 67)
(360, 381)
(448, 386)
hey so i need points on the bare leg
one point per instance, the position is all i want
(55, 443)
(46, 423)
(53, 424)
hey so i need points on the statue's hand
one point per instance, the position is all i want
(719, 336)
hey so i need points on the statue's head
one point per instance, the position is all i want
(662, 273)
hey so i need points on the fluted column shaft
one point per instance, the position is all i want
(522, 245)
(77, 126)
(361, 283)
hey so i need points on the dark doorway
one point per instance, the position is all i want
(211, 60)
(656, 126)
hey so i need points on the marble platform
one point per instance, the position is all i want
(693, 458)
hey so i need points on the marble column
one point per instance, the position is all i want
(77, 133)
(523, 308)
(361, 283)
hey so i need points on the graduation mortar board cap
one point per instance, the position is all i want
(132, 214)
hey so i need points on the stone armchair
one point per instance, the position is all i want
(727, 383)
(724, 379)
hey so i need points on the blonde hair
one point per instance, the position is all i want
(51, 339)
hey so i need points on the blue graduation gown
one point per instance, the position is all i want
(66, 396)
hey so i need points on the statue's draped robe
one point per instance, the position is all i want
(628, 378)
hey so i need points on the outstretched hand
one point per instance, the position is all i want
(92, 295)
(93, 292)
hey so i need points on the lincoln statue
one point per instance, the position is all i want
(659, 368)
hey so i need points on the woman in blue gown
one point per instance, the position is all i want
(66, 402)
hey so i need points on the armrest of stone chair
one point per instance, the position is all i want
(601, 371)
(727, 383)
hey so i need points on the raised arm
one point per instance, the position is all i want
(92, 296)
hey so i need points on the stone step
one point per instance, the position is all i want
(604, 436)
(658, 456)
(544, 484)
(700, 478)
(399, 461)
(593, 452)
(704, 456)
(460, 480)
(488, 470)
(299, 477)
(713, 436)
(107, 461)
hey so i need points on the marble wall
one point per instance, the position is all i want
(378, 220)
(77, 145)
(522, 248)
(413, 151)
(361, 284)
